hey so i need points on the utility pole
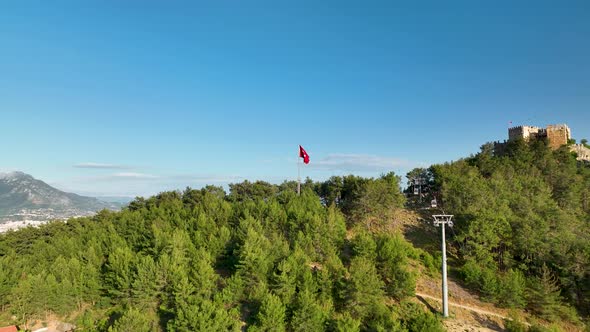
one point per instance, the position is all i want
(443, 220)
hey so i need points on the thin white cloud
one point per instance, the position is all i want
(114, 178)
(100, 166)
(212, 178)
(133, 176)
(141, 184)
(359, 162)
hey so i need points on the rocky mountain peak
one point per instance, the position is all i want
(23, 196)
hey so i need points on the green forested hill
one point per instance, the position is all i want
(260, 258)
(523, 225)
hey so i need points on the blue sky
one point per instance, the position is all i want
(136, 97)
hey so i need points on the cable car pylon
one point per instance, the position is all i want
(443, 220)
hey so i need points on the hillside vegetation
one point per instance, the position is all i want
(262, 258)
(523, 226)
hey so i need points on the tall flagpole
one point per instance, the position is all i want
(299, 172)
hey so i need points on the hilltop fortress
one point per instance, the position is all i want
(556, 135)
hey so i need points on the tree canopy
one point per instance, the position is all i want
(522, 223)
(259, 258)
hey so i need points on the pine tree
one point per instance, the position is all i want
(271, 316)
(133, 320)
(308, 315)
(543, 295)
(363, 288)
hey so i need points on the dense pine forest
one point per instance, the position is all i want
(261, 258)
(523, 226)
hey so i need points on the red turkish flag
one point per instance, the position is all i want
(303, 154)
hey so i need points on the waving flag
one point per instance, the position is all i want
(303, 154)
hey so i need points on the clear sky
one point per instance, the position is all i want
(136, 97)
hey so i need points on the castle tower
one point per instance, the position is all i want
(558, 135)
(524, 132)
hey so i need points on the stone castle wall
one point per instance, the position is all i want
(556, 135)
(524, 132)
(582, 152)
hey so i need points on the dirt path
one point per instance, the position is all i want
(479, 311)
(465, 318)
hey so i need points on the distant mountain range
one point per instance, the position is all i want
(24, 198)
